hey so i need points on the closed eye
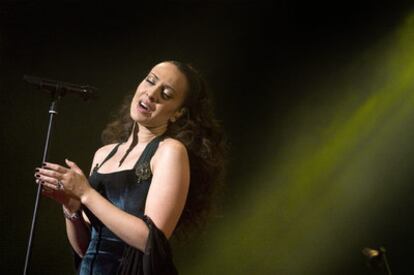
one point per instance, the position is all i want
(150, 80)
(165, 95)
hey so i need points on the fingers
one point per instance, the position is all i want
(57, 177)
(50, 187)
(55, 167)
(61, 169)
(46, 191)
(48, 182)
(49, 179)
(73, 166)
(48, 173)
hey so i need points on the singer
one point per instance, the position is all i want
(156, 176)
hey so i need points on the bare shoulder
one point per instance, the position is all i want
(171, 148)
(171, 145)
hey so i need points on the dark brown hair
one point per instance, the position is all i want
(202, 135)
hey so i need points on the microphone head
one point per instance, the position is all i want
(89, 92)
(370, 252)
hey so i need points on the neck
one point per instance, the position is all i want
(146, 134)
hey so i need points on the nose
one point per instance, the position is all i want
(152, 93)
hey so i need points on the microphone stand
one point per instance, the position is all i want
(56, 96)
(377, 258)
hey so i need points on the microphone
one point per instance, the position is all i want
(61, 88)
(377, 258)
(371, 253)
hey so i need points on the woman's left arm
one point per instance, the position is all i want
(169, 187)
(165, 201)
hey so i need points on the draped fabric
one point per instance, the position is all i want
(156, 260)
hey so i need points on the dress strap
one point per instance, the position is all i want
(143, 168)
(149, 150)
(110, 155)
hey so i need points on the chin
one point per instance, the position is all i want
(142, 120)
(138, 117)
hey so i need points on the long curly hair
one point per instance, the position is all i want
(203, 137)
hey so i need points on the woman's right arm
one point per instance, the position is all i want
(77, 223)
(77, 230)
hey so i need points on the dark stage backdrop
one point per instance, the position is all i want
(293, 82)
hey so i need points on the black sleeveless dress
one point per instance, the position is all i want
(127, 190)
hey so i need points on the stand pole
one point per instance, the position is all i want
(52, 113)
(385, 260)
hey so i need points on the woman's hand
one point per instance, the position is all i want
(71, 204)
(63, 183)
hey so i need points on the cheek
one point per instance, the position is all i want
(136, 96)
(170, 111)
(134, 102)
(163, 112)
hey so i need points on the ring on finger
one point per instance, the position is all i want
(59, 185)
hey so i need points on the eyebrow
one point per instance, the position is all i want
(166, 85)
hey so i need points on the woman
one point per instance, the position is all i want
(158, 174)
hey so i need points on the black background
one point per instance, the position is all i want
(256, 56)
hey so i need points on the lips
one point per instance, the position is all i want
(145, 107)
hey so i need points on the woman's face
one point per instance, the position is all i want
(159, 96)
